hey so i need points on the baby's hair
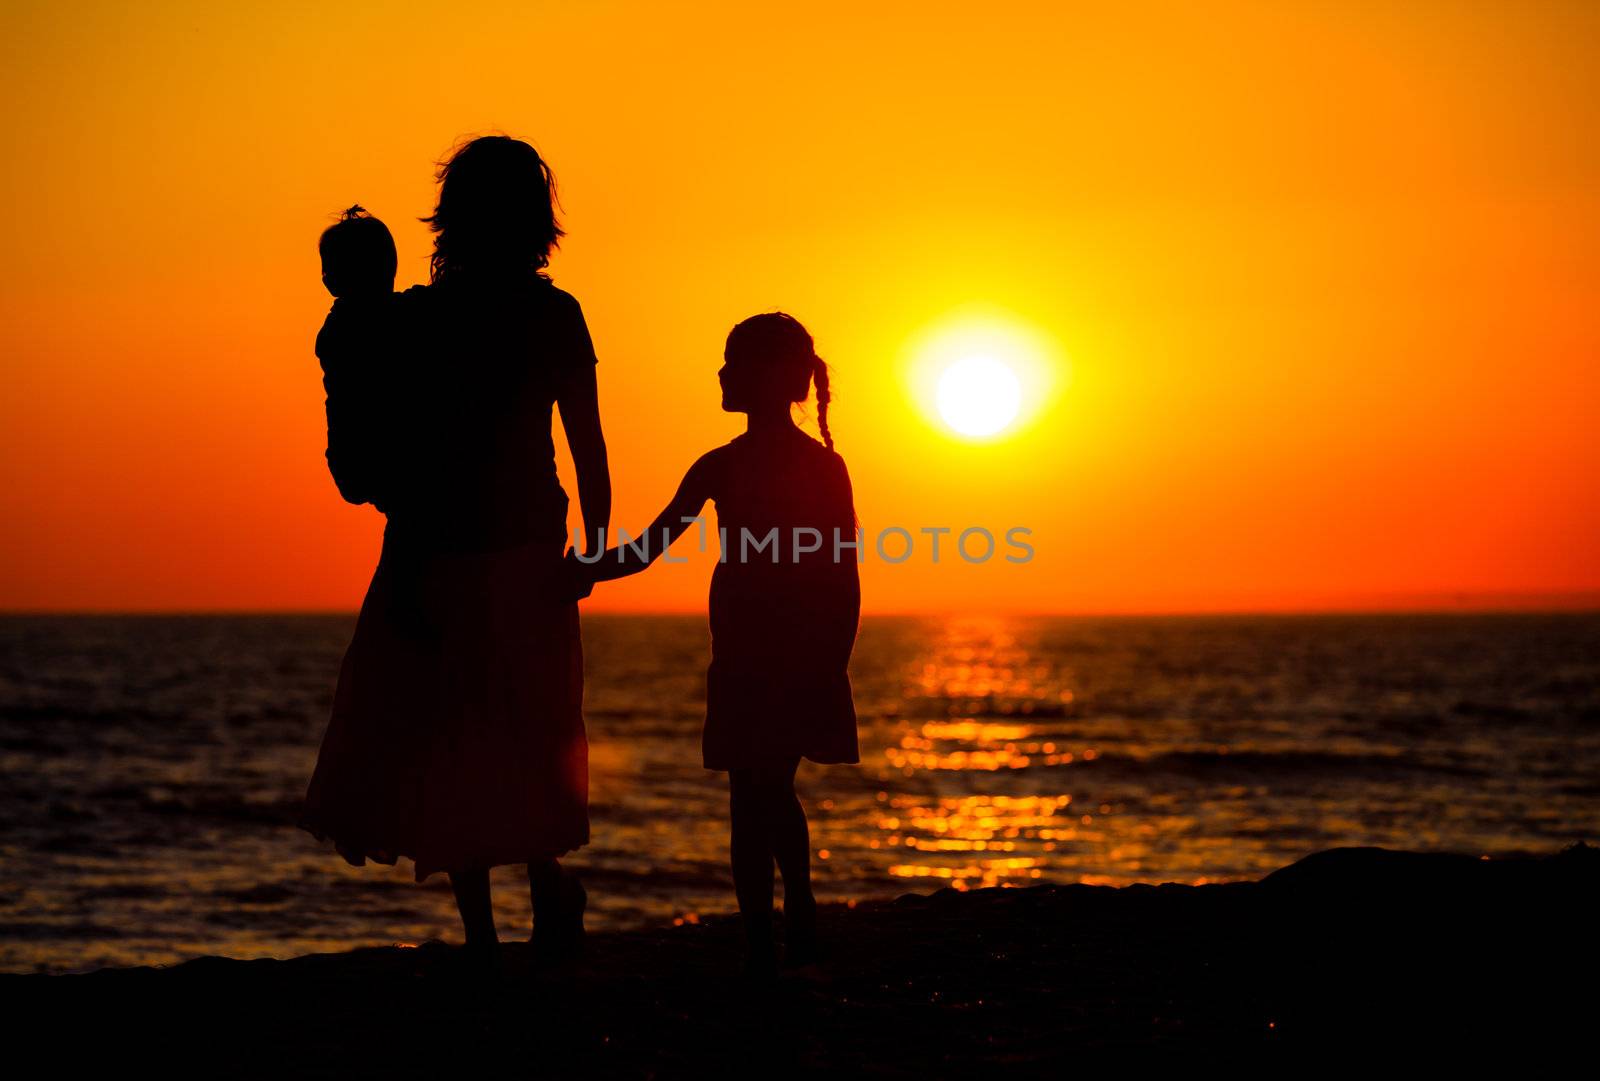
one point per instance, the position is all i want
(357, 235)
(780, 337)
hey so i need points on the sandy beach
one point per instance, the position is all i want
(1347, 952)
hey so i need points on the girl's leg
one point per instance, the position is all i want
(472, 899)
(752, 863)
(791, 846)
(790, 833)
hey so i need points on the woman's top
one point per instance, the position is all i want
(473, 460)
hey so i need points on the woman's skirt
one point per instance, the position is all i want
(457, 735)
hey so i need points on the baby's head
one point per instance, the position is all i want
(358, 256)
(770, 361)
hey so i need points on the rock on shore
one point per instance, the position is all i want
(1347, 954)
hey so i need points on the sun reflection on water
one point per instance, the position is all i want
(987, 703)
(983, 746)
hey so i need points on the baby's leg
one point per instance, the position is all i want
(752, 862)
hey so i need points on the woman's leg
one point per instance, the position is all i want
(558, 903)
(472, 899)
(751, 852)
(544, 887)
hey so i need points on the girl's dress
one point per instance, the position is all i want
(457, 736)
(783, 620)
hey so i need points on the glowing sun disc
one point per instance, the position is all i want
(979, 396)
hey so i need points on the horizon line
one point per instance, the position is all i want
(1575, 603)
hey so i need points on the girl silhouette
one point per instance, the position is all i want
(785, 603)
(457, 735)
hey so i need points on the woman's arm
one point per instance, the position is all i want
(669, 525)
(579, 403)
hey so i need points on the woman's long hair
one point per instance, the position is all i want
(497, 211)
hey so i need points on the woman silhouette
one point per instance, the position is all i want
(457, 737)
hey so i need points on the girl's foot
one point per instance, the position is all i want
(800, 946)
(760, 948)
(760, 964)
(558, 927)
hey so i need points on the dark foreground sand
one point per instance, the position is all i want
(1353, 953)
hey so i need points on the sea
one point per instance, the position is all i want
(154, 766)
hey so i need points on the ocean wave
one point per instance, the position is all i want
(1221, 762)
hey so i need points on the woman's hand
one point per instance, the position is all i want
(575, 581)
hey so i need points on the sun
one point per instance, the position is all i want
(979, 396)
(982, 375)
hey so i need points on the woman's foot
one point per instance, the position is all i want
(478, 963)
(558, 923)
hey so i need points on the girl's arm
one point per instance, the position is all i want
(668, 526)
(579, 403)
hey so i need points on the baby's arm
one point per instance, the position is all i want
(354, 341)
(691, 497)
(341, 388)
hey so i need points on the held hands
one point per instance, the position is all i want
(576, 580)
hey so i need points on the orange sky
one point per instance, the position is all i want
(1314, 286)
